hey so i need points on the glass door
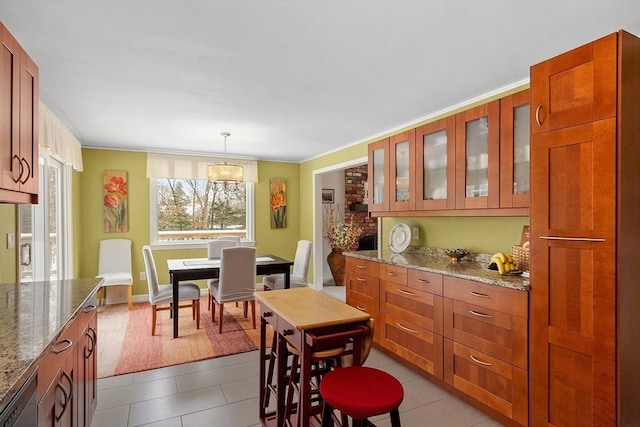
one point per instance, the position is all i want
(41, 227)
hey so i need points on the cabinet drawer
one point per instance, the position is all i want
(425, 281)
(363, 304)
(87, 311)
(492, 332)
(419, 346)
(490, 296)
(54, 359)
(495, 383)
(360, 284)
(419, 308)
(290, 333)
(361, 266)
(393, 274)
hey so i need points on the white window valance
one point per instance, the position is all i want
(58, 140)
(193, 167)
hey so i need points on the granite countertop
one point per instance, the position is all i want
(31, 318)
(435, 260)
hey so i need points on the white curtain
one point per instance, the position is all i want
(193, 167)
(55, 137)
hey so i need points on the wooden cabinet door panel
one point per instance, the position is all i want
(402, 171)
(425, 281)
(493, 297)
(497, 384)
(419, 308)
(468, 164)
(435, 165)
(515, 150)
(29, 124)
(573, 273)
(421, 347)
(9, 112)
(361, 266)
(576, 87)
(379, 182)
(497, 334)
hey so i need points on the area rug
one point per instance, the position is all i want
(125, 344)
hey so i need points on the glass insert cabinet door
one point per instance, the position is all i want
(402, 162)
(514, 150)
(378, 179)
(478, 157)
(435, 168)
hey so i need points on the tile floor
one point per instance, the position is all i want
(223, 392)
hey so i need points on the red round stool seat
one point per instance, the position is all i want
(361, 392)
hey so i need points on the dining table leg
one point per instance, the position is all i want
(174, 309)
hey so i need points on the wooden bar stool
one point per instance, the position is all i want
(360, 392)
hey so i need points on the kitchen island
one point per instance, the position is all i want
(33, 318)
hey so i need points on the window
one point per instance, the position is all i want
(187, 212)
(186, 209)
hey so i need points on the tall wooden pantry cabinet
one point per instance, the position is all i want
(585, 236)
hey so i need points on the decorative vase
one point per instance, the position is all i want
(337, 262)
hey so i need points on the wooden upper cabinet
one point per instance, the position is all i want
(378, 180)
(574, 88)
(478, 157)
(19, 123)
(402, 171)
(435, 165)
(514, 150)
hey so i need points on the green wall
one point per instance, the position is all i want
(8, 260)
(88, 203)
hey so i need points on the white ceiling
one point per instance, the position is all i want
(290, 80)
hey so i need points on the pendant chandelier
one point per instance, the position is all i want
(225, 175)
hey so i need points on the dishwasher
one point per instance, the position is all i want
(22, 410)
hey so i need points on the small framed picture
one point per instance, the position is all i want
(327, 195)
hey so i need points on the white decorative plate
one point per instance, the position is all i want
(399, 238)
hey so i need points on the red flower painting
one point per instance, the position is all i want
(114, 202)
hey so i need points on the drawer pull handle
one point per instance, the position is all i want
(406, 293)
(66, 347)
(573, 239)
(475, 313)
(286, 332)
(479, 295)
(360, 308)
(391, 273)
(538, 115)
(89, 308)
(480, 362)
(64, 402)
(361, 266)
(423, 281)
(404, 328)
(360, 279)
(267, 314)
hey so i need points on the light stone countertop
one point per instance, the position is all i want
(32, 316)
(435, 260)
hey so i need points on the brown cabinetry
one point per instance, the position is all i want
(18, 123)
(584, 235)
(515, 150)
(67, 374)
(485, 345)
(402, 171)
(478, 157)
(379, 178)
(363, 289)
(411, 306)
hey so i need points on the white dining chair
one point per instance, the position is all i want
(114, 267)
(300, 269)
(214, 247)
(236, 282)
(163, 294)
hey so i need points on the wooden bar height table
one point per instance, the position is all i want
(306, 319)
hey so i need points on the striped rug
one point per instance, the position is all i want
(125, 344)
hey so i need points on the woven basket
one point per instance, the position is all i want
(521, 256)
